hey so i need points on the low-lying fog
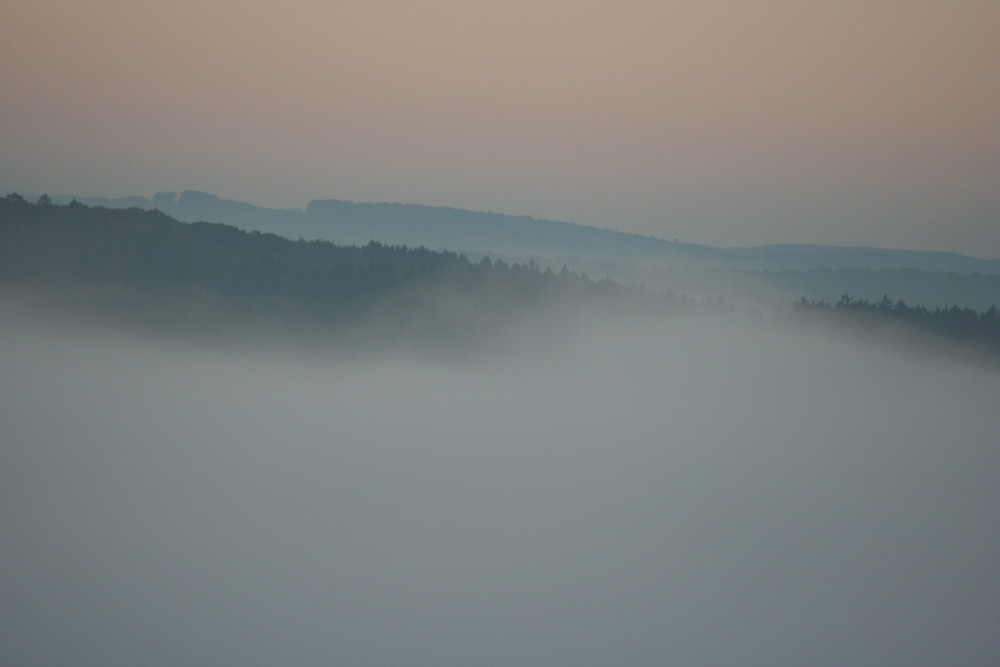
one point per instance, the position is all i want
(694, 492)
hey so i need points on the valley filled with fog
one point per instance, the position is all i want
(500, 334)
(692, 490)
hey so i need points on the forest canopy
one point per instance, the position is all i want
(144, 268)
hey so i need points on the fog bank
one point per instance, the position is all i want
(687, 492)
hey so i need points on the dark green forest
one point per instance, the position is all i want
(144, 268)
(758, 276)
(958, 325)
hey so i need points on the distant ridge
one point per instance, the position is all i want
(762, 276)
(458, 229)
(807, 256)
(462, 229)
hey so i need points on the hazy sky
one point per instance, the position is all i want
(725, 122)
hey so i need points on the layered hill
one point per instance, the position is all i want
(145, 268)
(763, 275)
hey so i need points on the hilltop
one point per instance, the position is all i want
(762, 276)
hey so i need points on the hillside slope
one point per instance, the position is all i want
(757, 276)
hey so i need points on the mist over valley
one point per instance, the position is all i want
(697, 490)
(526, 467)
(446, 334)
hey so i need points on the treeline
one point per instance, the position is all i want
(977, 328)
(142, 266)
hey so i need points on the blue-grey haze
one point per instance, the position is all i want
(695, 491)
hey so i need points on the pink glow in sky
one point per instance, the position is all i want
(737, 122)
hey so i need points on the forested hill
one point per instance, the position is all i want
(759, 276)
(464, 230)
(142, 266)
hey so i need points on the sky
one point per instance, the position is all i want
(742, 122)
